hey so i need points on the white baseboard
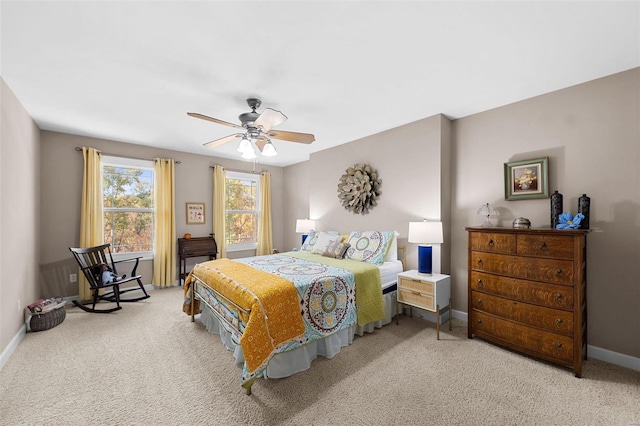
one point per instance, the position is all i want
(12, 346)
(613, 357)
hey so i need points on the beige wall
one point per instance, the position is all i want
(430, 168)
(409, 160)
(19, 209)
(591, 133)
(62, 186)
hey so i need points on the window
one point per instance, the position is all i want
(128, 215)
(243, 192)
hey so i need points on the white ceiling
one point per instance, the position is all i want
(342, 70)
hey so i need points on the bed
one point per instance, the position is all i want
(277, 313)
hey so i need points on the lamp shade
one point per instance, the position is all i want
(303, 226)
(425, 232)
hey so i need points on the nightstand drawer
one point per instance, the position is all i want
(416, 298)
(416, 285)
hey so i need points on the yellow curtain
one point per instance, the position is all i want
(91, 210)
(219, 206)
(265, 236)
(164, 235)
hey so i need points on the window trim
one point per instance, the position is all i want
(115, 161)
(245, 176)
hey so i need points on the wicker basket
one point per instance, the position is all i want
(46, 320)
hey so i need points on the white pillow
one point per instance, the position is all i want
(324, 241)
(392, 254)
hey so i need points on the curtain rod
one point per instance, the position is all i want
(239, 171)
(123, 156)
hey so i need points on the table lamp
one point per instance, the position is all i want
(425, 233)
(487, 210)
(303, 226)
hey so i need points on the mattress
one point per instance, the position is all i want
(389, 275)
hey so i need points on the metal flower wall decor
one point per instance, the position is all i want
(358, 188)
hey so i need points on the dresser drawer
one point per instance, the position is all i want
(544, 342)
(416, 298)
(537, 316)
(550, 295)
(493, 242)
(416, 285)
(556, 246)
(531, 268)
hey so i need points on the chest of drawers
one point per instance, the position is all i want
(527, 291)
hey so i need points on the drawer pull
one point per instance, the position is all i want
(480, 282)
(558, 345)
(479, 302)
(490, 243)
(558, 321)
(543, 246)
(479, 261)
(558, 296)
(479, 321)
(415, 293)
(558, 271)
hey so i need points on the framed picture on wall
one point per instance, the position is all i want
(195, 213)
(526, 179)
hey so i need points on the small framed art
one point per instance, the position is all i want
(526, 179)
(195, 213)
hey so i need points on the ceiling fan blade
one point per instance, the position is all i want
(214, 120)
(261, 142)
(291, 136)
(222, 141)
(269, 119)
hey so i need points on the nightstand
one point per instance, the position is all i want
(428, 292)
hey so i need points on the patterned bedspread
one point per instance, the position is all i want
(328, 298)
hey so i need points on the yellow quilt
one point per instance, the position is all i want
(275, 316)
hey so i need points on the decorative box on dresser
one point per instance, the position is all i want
(527, 291)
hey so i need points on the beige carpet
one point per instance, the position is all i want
(148, 364)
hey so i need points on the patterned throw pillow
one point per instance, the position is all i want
(369, 246)
(336, 250)
(310, 241)
(324, 240)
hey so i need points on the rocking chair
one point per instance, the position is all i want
(94, 261)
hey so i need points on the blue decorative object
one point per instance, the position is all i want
(425, 259)
(567, 221)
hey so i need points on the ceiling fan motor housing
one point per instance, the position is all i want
(248, 118)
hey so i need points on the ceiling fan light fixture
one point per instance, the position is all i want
(269, 150)
(249, 154)
(245, 145)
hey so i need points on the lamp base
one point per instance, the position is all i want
(304, 237)
(487, 223)
(425, 260)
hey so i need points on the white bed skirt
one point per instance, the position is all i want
(288, 363)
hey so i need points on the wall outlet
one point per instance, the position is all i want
(73, 278)
(19, 305)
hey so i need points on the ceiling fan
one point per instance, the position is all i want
(258, 128)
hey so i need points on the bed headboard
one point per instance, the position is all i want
(402, 256)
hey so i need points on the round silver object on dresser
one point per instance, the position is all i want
(522, 222)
